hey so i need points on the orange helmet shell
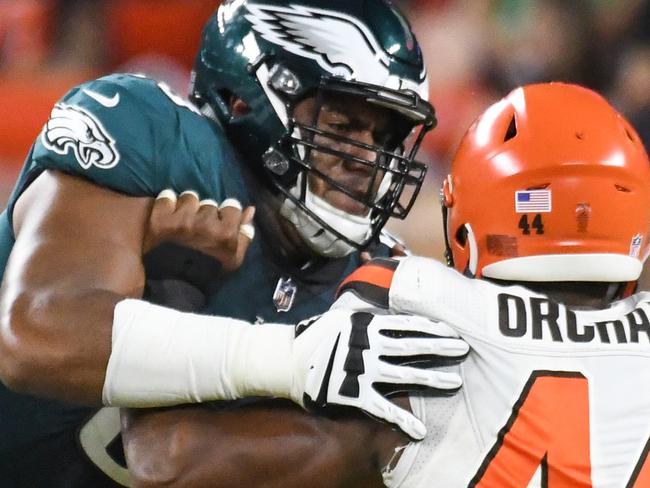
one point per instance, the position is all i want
(549, 184)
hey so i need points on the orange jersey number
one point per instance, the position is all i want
(549, 427)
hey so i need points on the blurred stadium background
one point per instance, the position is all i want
(476, 51)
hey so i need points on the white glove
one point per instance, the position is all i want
(358, 359)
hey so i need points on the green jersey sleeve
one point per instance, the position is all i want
(134, 135)
(107, 131)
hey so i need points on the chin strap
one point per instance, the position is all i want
(318, 238)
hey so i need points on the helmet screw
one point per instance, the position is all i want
(284, 80)
(275, 161)
(446, 197)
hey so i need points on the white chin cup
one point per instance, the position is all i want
(320, 240)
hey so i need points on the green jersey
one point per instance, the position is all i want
(134, 136)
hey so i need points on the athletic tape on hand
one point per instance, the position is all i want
(248, 230)
(167, 194)
(231, 202)
(190, 192)
(208, 202)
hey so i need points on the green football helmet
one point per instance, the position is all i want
(272, 54)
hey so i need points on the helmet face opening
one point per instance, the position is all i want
(273, 56)
(373, 175)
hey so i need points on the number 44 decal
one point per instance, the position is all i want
(549, 427)
(537, 224)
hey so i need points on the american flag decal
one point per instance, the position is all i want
(533, 201)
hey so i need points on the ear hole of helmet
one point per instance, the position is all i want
(466, 239)
(236, 106)
(461, 236)
(512, 130)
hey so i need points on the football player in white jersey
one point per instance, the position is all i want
(548, 204)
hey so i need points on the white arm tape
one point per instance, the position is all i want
(164, 357)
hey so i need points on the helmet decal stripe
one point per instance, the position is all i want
(252, 51)
(473, 249)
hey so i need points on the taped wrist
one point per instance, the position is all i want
(163, 357)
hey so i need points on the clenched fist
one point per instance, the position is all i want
(223, 231)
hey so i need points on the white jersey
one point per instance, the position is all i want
(552, 397)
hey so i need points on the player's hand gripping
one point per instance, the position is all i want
(359, 359)
(223, 231)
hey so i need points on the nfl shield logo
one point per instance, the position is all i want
(635, 245)
(284, 294)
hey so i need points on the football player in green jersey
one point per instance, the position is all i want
(311, 111)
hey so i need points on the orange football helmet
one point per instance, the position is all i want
(549, 184)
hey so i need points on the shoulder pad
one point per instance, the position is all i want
(131, 134)
(102, 130)
(371, 282)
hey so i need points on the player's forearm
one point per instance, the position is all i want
(57, 344)
(274, 444)
(77, 253)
